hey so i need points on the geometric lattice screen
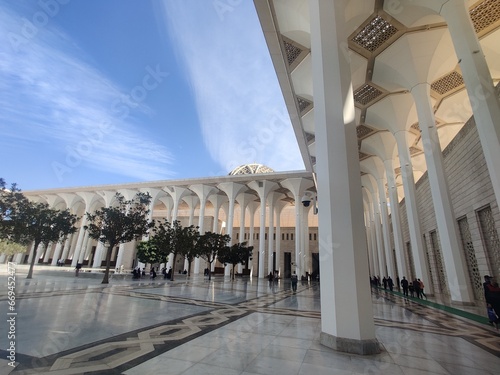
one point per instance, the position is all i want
(490, 240)
(470, 257)
(441, 273)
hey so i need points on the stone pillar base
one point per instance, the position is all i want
(362, 347)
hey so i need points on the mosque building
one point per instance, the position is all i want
(395, 106)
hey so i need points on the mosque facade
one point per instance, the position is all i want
(395, 105)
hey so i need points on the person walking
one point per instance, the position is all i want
(390, 283)
(404, 285)
(422, 286)
(416, 287)
(294, 282)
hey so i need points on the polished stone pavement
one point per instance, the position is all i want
(70, 325)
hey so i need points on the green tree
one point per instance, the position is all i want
(122, 223)
(235, 254)
(9, 248)
(176, 240)
(209, 245)
(189, 238)
(38, 223)
(10, 200)
(148, 252)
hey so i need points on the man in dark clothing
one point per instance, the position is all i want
(404, 285)
(492, 294)
(416, 287)
(390, 283)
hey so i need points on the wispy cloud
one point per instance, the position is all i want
(238, 99)
(50, 93)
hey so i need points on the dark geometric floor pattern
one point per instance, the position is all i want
(119, 353)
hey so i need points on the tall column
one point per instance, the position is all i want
(232, 190)
(57, 253)
(454, 261)
(347, 316)
(99, 251)
(263, 188)
(370, 185)
(67, 246)
(192, 202)
(176, 193)
(48, 252)
(298, 187)
(79, 242)
(18, 258)
(217, 201)
(243, 200)
(85, 248)
(396, 219)
(252, 207)
(417, 245)
(279, 208)
(385, 227)
(203, 191)
(271, 200)
(479, 85)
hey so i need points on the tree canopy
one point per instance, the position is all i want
(210, 244)
(123, 222)
(235, 254)
(23, 221)
(38, 223)
(148, 252)
(176, 240)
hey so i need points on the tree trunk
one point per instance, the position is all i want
(233, 270)
(105, 280)
(30, 272)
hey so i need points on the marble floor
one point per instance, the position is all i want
(69, 325)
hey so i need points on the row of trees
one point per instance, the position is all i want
(23, 222)
(174, 239)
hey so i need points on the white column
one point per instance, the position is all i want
(99, 252)
(85, 247)
(347, 316)
(48, 251)
(79, 242)
(67, 246)
(19, 258)
(306, 256)
(232, 190)
(479, 85)
(454, 261)
(57, 253)
(416, 241)
(279, 208)
(39, 252)
(252, 207)
(385, 228)
(203, 191)
(271, 198)
(396, 220)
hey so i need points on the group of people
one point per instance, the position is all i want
(415, 288)
(492, 297)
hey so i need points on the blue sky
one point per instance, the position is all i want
(110, 91)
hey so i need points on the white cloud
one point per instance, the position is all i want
(238, 99)
(48, 93)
